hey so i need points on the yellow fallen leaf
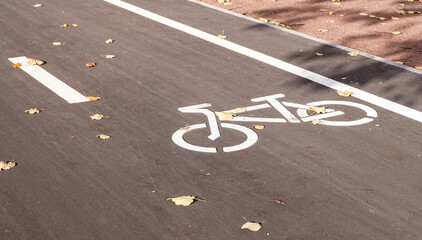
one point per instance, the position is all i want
(228, 3)
(90, 64)
(330, 13)
(7, 165)
(185, 128)
(372, 16)
(396, 32)
(222, 36)
(258, 127)
(263, 19)
(103, 136)
(33, 111)
(64, 25)
(74, 25)
(37, 5)
(336, 3)
(97, 116)
(316, 121)
(225, 115)
(363, 14)
(335, 0)
(58, 43)
(279, 202)
(33, 62)
(381, 18)
(319, 54)
(318, 110)
(183, 200)
(110, 56)
(109, 41)
(221, 1)
(399, 62)
(17, 65)
(331, 21)
(418, 67)
(344, 93)
(341, 15)
(353, 54)
(400, 12)
(91, 98)
(394, 18)
(252, 226)
(322, 30)
(239, 110)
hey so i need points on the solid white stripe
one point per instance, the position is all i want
(50, 81)
(357, 93)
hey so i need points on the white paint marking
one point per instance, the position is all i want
(251, 137)
(178, 139)
(250, 108)
(51, 82)
(257, 119)
(215, 133)
(317, 78)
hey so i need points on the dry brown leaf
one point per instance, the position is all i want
(33, 62)
(183, 200)
(64, 25)
(319, 54)
(353, 54)
(97, 116)
(91, 98)
(279, 202)
(225, 115)
(345, 93)
(394, 18)
(109, 41)
(37, 5)
(318, 110)
(316, 121)
(396, 32)
(58, 43)
(322, 30)
(258, 127)
(33, 111)
(252, 226)
(185, 128)
(103, 136)
(7, 165)
(90, 64)
(17, 65)
(239, 110)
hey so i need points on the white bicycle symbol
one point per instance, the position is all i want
(272, 101)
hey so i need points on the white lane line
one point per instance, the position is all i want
(309, 37)
(325, 81)
(51, 82)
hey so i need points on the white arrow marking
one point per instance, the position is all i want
(51, 82)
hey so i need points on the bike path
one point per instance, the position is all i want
(352, 182)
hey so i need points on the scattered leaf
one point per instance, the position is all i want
(109, 41)
(239, 110)
(221, 1)
(228, 3)
(185, 128)
(363, 14)
(400, 12)
(319, 54)
(97, 116)
(372, 16)
(331, 21)
(258, 127)
(35, 62)
(17, 65)
(58, 43)
(90, 64)
(353, 54)
(399, 62)
(341, 15)
(318, 110)
(222, 36)
(330, 13)
(263, 19)
(381, 18)
(252, 226)
(225, 115)
(74, 25)
(103, 136)
(396, 32)
(345, 93)
(183, 200)
(37, 5)
(316, 121)
(110, 56)
(279, 202)
(33, 111)
(7, 165)
(322, 30)
(394, 18)
(64, 25)
(418, 67)
(91, 98)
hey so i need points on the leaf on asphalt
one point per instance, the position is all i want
(353, 54)
(400, 12)
(74, 25)
(252, 226)
(394, 18)
(399, 62)
(37, 5)
(279, 202)
(109, 41)
(97, 116)
(335, 0)
(363, 14)
(58, 43)
(418, 67)
(258, 127)
(381, 18)
(239, 110)
(110, 56)
(90, 64)
(33, 111)
(35, 62)
(330, 13)
(263, 19)
(228, 3)
(345, 93)
(319, 54)
(396, 32)
(225, 115)
(64, 25)
(103, 136)
(316, 121)
(318, 110)
(331, 21)
(322, 30)
(185, 128)
(17, 65)
(7, 165)
(222, 36)
(91, 98)
(185, 200)
(221, 1)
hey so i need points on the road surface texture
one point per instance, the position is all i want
(337, 182)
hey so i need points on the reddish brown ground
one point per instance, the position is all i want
(349, 28)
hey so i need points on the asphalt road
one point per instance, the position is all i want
(352, 182)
